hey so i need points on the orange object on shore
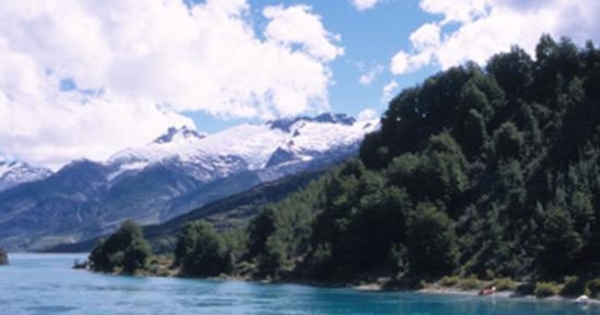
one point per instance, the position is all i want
(488, 291)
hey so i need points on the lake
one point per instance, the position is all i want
(42, 284)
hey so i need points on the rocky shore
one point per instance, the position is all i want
(3, 257)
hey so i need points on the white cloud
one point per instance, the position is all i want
(362, 5)
(127, 56)
(389, 91)
(426, 37)
(425, 41)
(461, 11)
(297, 25)
(367, 114)
(477, 29)
(369, 76)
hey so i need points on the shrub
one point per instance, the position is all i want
(594, 287)
(545, 289)
(471, 283)
(525, 288)
(505, 284)
(125, 251)
(573, 287)
(449, 281)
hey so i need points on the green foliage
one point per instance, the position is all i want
(432, 249)
(471, 283)
(260, 229)
(472, 98)
(186, 241)
(573, 286)
(472, 133)
(519, 188)
(136, 255)
(125, 250)
(449, 281)
(504, 284)
(439, 173)
(283, 230)
(512, 71)
(545, 289)
(509, 141)
(594, 287)
(272, 260)
(208, 256)
(561, 244)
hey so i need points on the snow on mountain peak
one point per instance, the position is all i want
(249, 146)
(14, 172)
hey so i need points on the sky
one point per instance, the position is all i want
(86, 78)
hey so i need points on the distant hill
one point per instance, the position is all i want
(230, 212)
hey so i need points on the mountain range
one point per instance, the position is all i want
(179, 171)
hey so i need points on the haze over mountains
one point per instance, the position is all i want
(179, 171)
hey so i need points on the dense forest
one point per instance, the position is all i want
(487, 172)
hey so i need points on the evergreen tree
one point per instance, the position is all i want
(209, 256)
(432, 248)
(126, 249)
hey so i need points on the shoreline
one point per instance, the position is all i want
(432, 290)
(506, 294)
(381, 288)
(382, 285)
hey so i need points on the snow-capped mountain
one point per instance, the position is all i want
(179, 171)
(246, 147)
(13, 173)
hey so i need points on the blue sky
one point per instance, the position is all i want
(86, 78)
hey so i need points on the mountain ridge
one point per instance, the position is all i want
(181, 170)
(14, 173)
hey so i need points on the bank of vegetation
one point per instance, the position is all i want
(477, 173)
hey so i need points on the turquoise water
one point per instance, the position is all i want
(44, 284)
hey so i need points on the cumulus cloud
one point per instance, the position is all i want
(425, 42)
(362, 5)
(85, 78)
(367, 114)
(389, 91)
(462, 11)
(371, 74)
(297, 25)
(477, 29)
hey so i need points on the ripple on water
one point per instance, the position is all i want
(50, 309)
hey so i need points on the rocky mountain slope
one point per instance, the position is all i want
(179, 171)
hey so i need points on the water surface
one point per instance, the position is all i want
(36, 284)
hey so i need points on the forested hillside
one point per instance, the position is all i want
(488, 171)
